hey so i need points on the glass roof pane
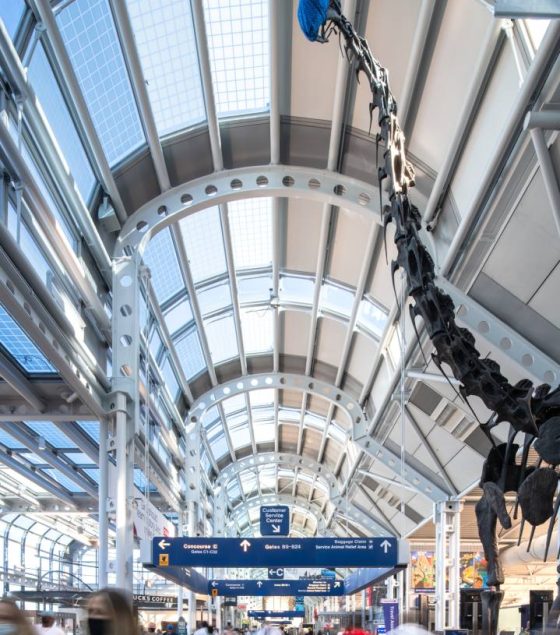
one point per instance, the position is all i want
(161, 258)
(264, 432)
(171, 382)
(8, 440)
(336, 299)
(219, 447)
(204, 243)
(256, 325)
(79, 458)
(46, 87)
(371, 317)
(89, 34)
(190, 354)
(296, 290)
(235, 403)
(63, 480)
(264, 397)
(91, 428)
(238, 37)
(214, 298)
(253, 289)
(240, 437)
(50, 433)
(222, 339)
(179, 316)
(251, 232)
(166, 45)
(20, 347)
(11, 12)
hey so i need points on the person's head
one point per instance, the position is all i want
(12, 620)
(110, 613)
(204, 625)
(47, 620)
(151, 627)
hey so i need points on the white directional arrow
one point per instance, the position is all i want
(275, 529)
(162, 544)
(386, 545)
(336, 585)
(245, 544)
(214, 583)
(259, 584)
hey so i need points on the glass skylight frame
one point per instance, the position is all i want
(238, 43)
(166, 44)
(90, 37)
(250, 222)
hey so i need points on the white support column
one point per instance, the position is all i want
(447, 520)
(103, 496)
(125, 404)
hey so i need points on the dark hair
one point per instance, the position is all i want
(120, 604)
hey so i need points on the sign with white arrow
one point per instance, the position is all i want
(272, 588)
(276, 552)
(275, 573)
(275, 520)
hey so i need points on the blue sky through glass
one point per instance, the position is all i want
(161, 258)
(22, 349)
(11, 12)
(90, 37)
(46, 87)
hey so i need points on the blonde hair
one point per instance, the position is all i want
(119, 604)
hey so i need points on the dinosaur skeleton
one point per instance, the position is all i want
(534, 411)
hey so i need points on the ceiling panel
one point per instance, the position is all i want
(388, 21)
(349, 246)
(303, 224)
(545, 300)
(331, 339)
(451, 72)
(529, 247)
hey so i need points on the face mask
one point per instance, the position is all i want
(98, 627)
(8, 629)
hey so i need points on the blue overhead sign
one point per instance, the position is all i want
(264, 615)
(275, 588)
(274, 552)
(275, 520)
(275, 573)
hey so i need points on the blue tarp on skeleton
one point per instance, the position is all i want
(312, 14)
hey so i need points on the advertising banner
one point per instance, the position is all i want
(390, 614)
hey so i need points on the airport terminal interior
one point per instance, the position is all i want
(270, 354)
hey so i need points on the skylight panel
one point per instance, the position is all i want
(238, 37)
(254, 289)
(7, 440)
(335, 299)
(251, 232)
(256, 325)
(166, 44)
(91, 428)
(11, 12)
(89, 34)
(259, 398)
(63, 480)
(222, 338)
(50, 433)
(56, 111)
(219, 447)
(204, 243)
(170, 378)
(190, 354)
(264, 432)
(240, 437)
(214, 298)
(371, 318)
(234, 404)
(179, 316)
(296, 290)
(20, 347)
(161, 258)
